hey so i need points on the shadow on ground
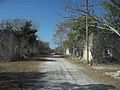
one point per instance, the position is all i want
(35, 59)
(45, 60)
(18, 81)
(35, 81)
(69, 86)
(52, 56)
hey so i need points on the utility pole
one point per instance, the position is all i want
(87, 31)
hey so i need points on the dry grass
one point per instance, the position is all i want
(20, 75)
(20, 66)
(98, 74)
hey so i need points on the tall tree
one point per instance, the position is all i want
(24, 33)
(113, 13)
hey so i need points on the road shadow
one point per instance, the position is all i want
(45, 60)
(69, 86)
(52, 56)
(22, 81)
(36, 81)
(56, 56)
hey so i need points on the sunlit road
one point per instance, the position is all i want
(60, 71)
(62, 75)
(54, 74)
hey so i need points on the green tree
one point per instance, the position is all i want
(75, 32)
(113, 13)
(24, 32)
(28, 32)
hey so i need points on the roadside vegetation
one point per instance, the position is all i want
(103, 39)
(103, 32)
(19, 40)
(20, 66)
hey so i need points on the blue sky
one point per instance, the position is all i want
(44, 13)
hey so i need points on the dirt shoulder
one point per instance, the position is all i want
(97, 75)
(20, 66)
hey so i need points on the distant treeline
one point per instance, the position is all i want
(18, 40)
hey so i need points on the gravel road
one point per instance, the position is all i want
(63, 75)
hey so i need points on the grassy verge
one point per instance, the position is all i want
(96, 74)
(21, 75)
(20, 66)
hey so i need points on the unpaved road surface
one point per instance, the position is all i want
(55, 74)
(62, 75)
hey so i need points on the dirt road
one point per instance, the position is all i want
(55, 74)
(62, 75)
